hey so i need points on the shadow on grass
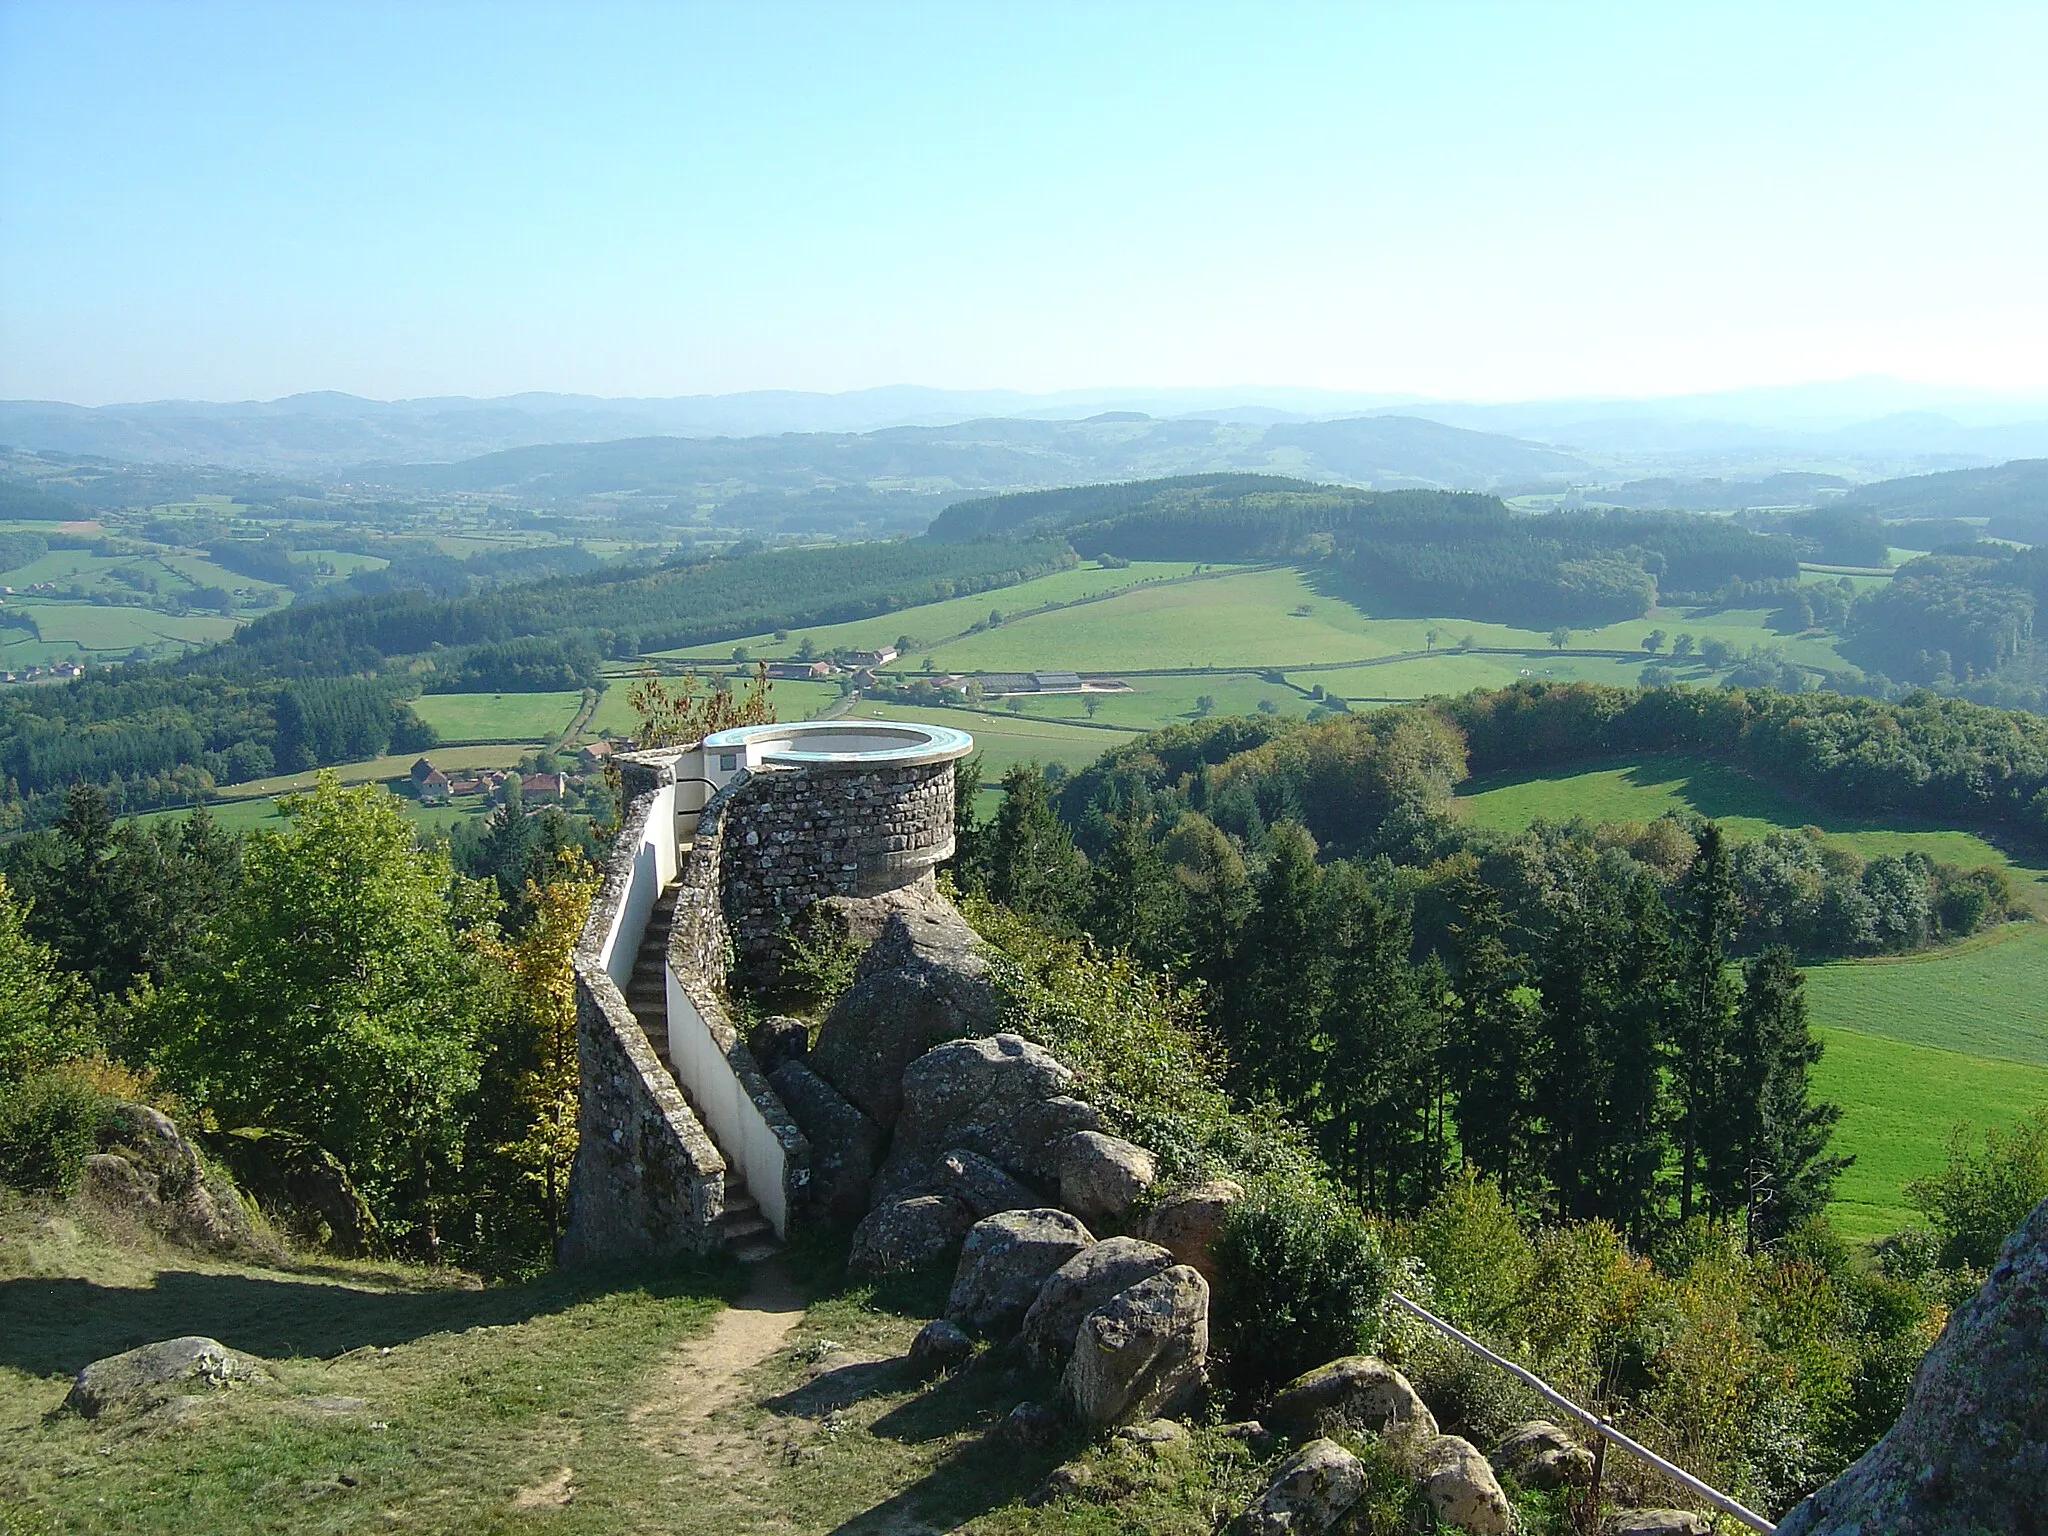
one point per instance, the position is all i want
(56, 1326)
(979, 1476)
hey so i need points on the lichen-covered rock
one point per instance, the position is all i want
(1029, 1426)
(1102, 1176)
(940, 1346)
(1358, 1391)
(155, 1373)
(1005, 1260)
(907, 1234)
(145, 1168)
(1081, 1285)
(1970, 1453)
(1188, 1224)
(1309, 1494)
(776, 1039)
(1460, 1485)
(1661, 1522)
(1141, 1354)
(922, 982)
(980, 1185)
(1540, 1454)
(846, 1146)
(999, 1096)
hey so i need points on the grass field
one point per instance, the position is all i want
(1987, 997)
(1005, 739)
(1899, 1103)
(498, 716)
(792, 701)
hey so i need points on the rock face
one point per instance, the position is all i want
(846, 1146)
(145, 1377)
(1005, 1260)
(1970, 1453)
(1310, 1493)
(1102, 1176)
(1187, 1225)
(1461, 1487)
(1000, 1097)
(980, 1185)
(907, 1234)
(776, 1039)
(147, 1169)
(1539, 1454)
(1141, 1354)
(1078, 1287)
(922, 982)
(1359, 1391)
(1659, 1522)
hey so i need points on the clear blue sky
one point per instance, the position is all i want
(1489, 201)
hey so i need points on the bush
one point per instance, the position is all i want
(1300, 1281)
(1984, 1194)
(49, 1125)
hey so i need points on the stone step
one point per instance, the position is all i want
(753, 1252)
(741, 1229)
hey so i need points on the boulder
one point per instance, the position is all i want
(1029, 1426)
(1141, 1354)
(1657, 1522)
(1310, 1493)
(1359, 1392)
(1081, 1285)
(155, 1373)
(1540, 1454)
(1153, 1432)
(1970, 1452)
(1005, 1260)
(940, 1346)
(980, 1185)
(1460, 1485)
(1102, 1176)
(923, 981)
(776, 1039)
(907, 1234)
(1000, 1097)
(846, 1146)
(1188, 1224)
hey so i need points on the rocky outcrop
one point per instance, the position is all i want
(1970, 1453)
(846, 1146)
(1000, 1097)
(1078, 1287)
(1540, 1454)
(154, 1374)
(146, 1169)
(922, 982)
(1188, 1224)
(776, 1039)
(1003, 1264)
(1310, 1493)
(1356, 1392)
(1662, 1522)
(1141, 1354)
(1461, 1487)
(903, 1235)
(1102, 1176)
(980, 1185)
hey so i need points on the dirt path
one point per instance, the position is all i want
(704, 1374)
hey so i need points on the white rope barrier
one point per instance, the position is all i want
(1592, 1421)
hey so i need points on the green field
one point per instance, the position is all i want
(1005, 739)
(498, 716)
(1986, 997)
(1899, 1103)
(792, 701)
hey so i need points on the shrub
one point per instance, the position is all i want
(49, 1125)
(1984, 1194)
(1477, 1254)
(1300, 1281)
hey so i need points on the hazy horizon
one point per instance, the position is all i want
(1461, 203)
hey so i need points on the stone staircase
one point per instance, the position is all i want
(743, 1231)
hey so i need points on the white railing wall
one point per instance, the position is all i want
(654, 866)
(700, 1050)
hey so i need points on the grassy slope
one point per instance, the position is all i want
(498, 716)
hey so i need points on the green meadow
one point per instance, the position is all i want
(461, 717)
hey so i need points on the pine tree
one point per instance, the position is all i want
(1216, 894)
(1134, 902)
(1281, 975)
(1492, 1049)
(1034, 867)
(1774, 1159)
(1707, 914)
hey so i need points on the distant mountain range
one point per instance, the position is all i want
(1868, 428)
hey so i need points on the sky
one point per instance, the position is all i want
(1457, 200)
